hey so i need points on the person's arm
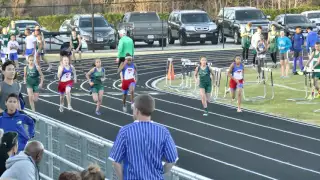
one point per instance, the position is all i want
(120, 67)
(288, 44)
(230, 71)
(41, 76)
(59, 74)
(196, 74)
(71, 44)
(31, 124)
(74, 73)
(136, 73)
(79, 40)
(89, 74)
(118, 153)
(25, 74)
(170, 153)
(309, 60)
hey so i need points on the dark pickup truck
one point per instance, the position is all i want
(144, 27)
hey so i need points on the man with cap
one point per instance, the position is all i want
(126, 45)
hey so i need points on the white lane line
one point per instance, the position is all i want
(205, 138)
(196, 153)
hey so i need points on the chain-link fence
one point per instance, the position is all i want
(71, 149)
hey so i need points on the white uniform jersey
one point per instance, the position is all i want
(12, 44)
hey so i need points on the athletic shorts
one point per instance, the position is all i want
(284, 56)
(13, 56)
(63, 85)
(121, 60)
(34, 87)
(97, 88)
(40, 53)
(80, 48)
(206, 86)
(29, 52)
(297, 54)
(316, 75)
(126, 84)
(233, 84)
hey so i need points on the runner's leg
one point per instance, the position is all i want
(68, 94)
(282, 64)
(131, 88)
(61, 102)
(100, 97)
(204, 100)
(31, 98)
(287, 67)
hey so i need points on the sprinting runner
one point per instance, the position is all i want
(236, 75)
(95, 77)
(272, 44)
(34, 78)
(65, 72)
(315, 59)
(13, 46)
(5, 37)
(205, 84)
(75, 45)
(261, 49)
(129, 78)
(30, 46)
(284, 45)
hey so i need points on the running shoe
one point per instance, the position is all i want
(120, 85)
(300, 73)
(61, 108)
(98, 113)
(49, 68)
(239, 110)
(124, 108)
(205, 114)
(70, 108)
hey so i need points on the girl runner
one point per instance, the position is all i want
(95, 77)
(75, 44)
(34, 83)
(205, 84)
(272, 41)
(129, 78)
(315, 59)
(236, 75)
(65, 72)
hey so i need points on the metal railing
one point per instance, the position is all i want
(71, 149)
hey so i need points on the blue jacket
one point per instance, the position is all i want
(16, 123)
(297, 42)
(285, 43)
(312, 38)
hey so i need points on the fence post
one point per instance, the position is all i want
(50, 149)
(84, 152)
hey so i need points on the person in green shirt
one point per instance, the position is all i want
(273, 47)
(13, 30)
(5, 37)
(33, 78)
(203, 72)
(95, 78)
(126, 45)
(315, 59)
(75, 45)
(246, 34)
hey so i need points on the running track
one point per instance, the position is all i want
(224, 145)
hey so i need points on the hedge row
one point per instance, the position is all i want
(53, 22)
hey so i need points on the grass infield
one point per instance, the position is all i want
(284, 88)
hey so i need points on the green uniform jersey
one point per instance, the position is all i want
(273, 42)
(96, 77)
(205, 79)
(13, 31)
(314, 62)
(33, 78)
(246, 41)
(75, 42)
(5, 39)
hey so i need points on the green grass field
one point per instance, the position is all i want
(292, 87)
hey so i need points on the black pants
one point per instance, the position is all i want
(121, 60)
(254, 59)
(245, 53)
(274, 57)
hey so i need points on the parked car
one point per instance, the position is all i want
(314, 17)
(144, 27)
(104, 33)
(191, 26)
(289, 22)
(232, 19)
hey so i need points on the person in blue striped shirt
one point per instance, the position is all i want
(142, 145)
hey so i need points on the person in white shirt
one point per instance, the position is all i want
(254, 42)
(13, 47)
(30, 44)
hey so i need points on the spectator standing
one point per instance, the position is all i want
(13, 120)
(8, 85)
(126, 45)
(284, 46)
(272, 44)
(246, 34)
(8, 148)
(13, 29)
(311, 40)
(25, 164)
(70, 176)
(92, 173)
(254, 42)
(297, 43)
(142, 145)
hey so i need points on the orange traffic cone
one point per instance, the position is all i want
(171, 72)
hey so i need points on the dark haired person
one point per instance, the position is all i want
(8, 148)
(311, 40)
(128, 76)
(297, 43)
(205, 85)
(13, 120)
(8, 85)
(75, 45)
(70, 176)
(272, 44)
(254, 42)
(246, 34)
(236, 75)
(142, 145)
